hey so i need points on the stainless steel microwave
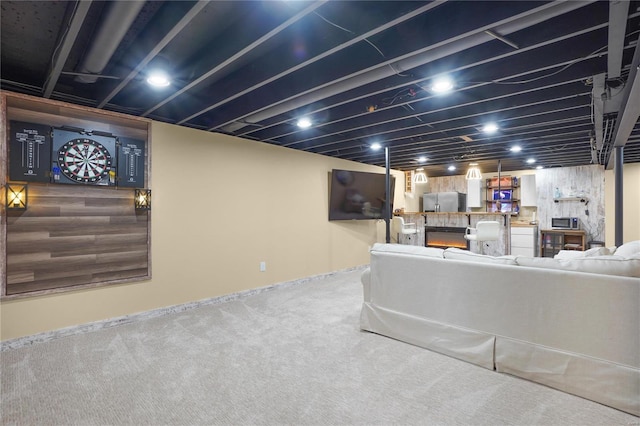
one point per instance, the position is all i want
(565, 223)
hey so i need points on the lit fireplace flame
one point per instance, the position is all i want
(442, 239)
(447, 243)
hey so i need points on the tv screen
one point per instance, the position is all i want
(357, 195)
(502, 195)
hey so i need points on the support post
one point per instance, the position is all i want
(388, 195)
(619, 161)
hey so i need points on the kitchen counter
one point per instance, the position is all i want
(454, 213)
(522, 224)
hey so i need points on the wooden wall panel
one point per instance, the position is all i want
(72, 235)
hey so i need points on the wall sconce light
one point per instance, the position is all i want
(420, 176)
(17, 196)
(142, 199)
(474, 172)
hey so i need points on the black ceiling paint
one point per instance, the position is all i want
(260, 65)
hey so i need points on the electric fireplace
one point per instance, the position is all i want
(445, 236)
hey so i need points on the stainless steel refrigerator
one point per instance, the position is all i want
(444, 202)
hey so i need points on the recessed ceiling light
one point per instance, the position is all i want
(375, 146)
(442, 85)
(539, 167)
(422, 159)
(490, 128)
(451, 168)
(158, 79)
(304, 123)
(531, 160)
(516, 148)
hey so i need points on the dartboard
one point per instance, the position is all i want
(84, 160)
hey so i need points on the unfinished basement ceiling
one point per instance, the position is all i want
(558, 78)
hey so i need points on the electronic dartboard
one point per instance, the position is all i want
(83, 159)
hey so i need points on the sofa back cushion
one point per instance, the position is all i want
(459, 254)
(408, 249)
(606, 265)
(596, 251)
(628, 249)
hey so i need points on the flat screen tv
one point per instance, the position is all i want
(357, 195)
(502, 195)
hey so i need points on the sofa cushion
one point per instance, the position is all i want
(569, 254)
(606, 265)
(408, 249)
(459, 254)
(628, 249)
(572, 254)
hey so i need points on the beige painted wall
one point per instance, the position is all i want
(630, 205)
(221, 205)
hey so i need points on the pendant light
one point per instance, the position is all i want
(420, 176)
(474, 172)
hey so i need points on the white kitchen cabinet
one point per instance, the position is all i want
(475, 196)
(524, 241)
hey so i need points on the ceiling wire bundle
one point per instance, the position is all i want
(399, 95)
(563, 68)
(607, 145)
(395, 71)
(468, 155)
(553, 73)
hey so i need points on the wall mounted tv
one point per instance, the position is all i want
(357, 195)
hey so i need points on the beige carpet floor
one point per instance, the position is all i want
(290, 356)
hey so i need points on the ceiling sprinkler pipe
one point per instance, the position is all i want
(425, 56)
(119, 18)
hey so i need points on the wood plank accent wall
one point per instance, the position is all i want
(72, 236)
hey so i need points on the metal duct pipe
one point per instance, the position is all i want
(424, 56)
(115, 25)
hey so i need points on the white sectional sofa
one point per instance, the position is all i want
(545, 320)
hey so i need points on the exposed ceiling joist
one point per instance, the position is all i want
(630, 108)
(68, 40)
(398, 65)
(323, 55)
(237, 56)
(231, 62)
(618, 11)
(188, 17)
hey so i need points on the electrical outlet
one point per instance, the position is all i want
(263, 266)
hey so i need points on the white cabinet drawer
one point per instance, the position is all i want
(522, 241)
(521, 230)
